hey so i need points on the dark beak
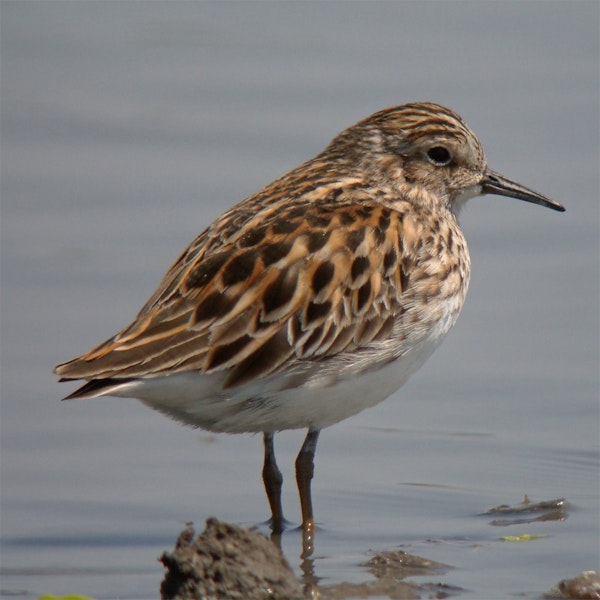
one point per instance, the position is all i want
(494, 183)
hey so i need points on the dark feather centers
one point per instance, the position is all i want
(206, 270)
(316, 240)
(405, 269)
(327, 308)
(322, 277)
(360, 267)
(363, 297)
(279, 293)
(390, 260)
(261, 362)
(284, 226)
(239, 268)
(384, 220)
(253, 237)
(213, 307)
(355, 238)
(253, 344)
(221, 355)
(275, 252)
(316, 313)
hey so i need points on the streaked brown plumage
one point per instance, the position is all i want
(316, 297)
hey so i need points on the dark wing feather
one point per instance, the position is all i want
(304, 282)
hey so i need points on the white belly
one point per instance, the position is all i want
(273, 404)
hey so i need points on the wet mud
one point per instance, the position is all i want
(229, 562)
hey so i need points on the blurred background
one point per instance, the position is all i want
(127, 127)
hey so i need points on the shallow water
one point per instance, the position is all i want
(127, 128)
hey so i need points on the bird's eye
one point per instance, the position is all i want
(439, 155)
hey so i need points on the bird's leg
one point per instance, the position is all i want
(273, 480)
(304, 473)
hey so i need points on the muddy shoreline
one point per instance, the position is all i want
(229, 562)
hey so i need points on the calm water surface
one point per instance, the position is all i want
(128, 127)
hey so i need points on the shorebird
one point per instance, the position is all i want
(315, 298)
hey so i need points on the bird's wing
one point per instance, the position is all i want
(301, 283)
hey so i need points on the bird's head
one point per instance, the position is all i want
(430, 153)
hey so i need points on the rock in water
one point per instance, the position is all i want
(227, 562)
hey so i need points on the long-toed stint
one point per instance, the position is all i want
(315, 298)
